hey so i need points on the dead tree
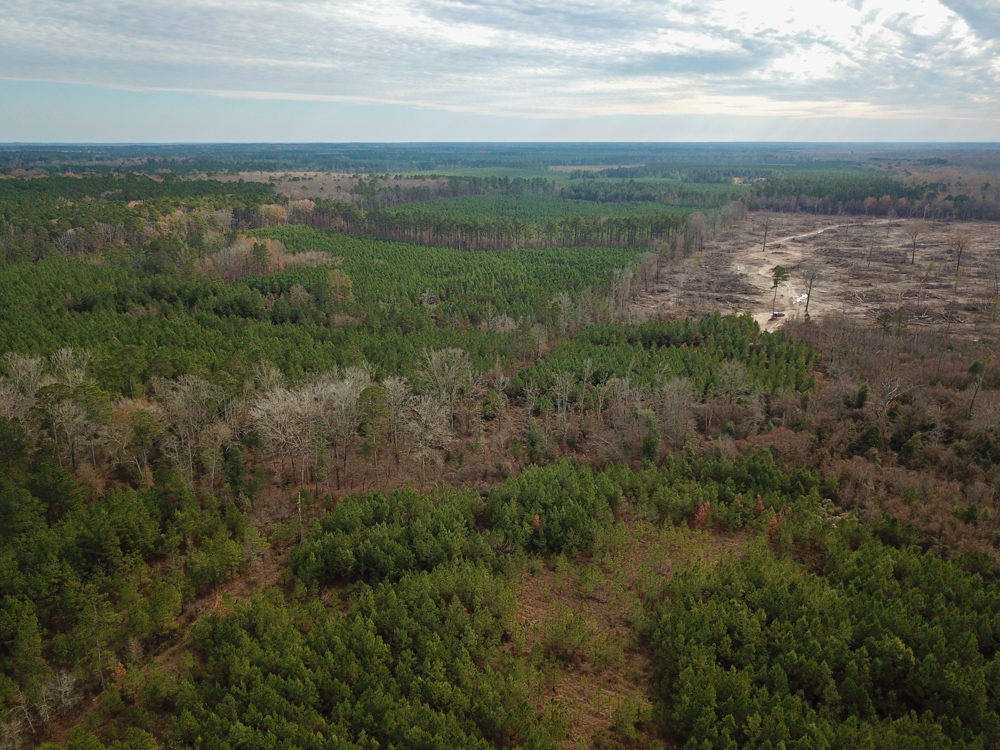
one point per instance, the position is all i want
(765, 224)
(959, 242)
(913, 231)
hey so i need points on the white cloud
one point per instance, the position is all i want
(562, 58)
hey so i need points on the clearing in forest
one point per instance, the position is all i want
(944, 274)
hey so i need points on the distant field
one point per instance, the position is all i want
(534, 208)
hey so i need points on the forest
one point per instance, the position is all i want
(416, 465)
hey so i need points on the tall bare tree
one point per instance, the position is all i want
(343, 411)
(562, 387)
(620, 291)
(70, 365)
(189, 405)
(646, 269)
(398, 401)
(765, 224)
(133, 433)
(564, 304)
(291, 422)
(959, 242)
(913, 230)
(449, 375)
(699, 227)
(18, 389)
(70, 419)
(427, 428)
(675, 409)
(812, 272)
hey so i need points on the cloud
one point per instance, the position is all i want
(982, 16)
(535, 58)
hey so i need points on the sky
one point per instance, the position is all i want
(499, 70)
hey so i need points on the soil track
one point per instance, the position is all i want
(792, 294)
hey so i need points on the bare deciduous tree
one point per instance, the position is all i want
(885, 391)
(267, 377)
(734, 381)
(647, 270)
(398, 402)
(427, 428)
(621, 395)
(12, 733)
(70, 365)
(959, 242)
(132, 433)
(189, 405)
(562, 386)
(620, 291)
(812, 272)
(765, 224)
(18, 389)
(586, 372)
(564, 304)
(541, 336)
(448, 374)
(284, 425)
(601, 393)
(698, 226)
(64, 690)
(343, 410)
(913, 230)
(213, 440)
(70, 418)
(733, 213)
(676, 417)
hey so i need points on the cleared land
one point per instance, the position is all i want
(864, 270)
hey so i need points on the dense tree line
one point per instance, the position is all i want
(489, 233)
(369, 158)
(699, 173)
(679, 194)
(868, 193)
(377, 190)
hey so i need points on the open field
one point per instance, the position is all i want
(864, 270)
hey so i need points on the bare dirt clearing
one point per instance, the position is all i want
(863, 269)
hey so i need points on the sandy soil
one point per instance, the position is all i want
(864, 269)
